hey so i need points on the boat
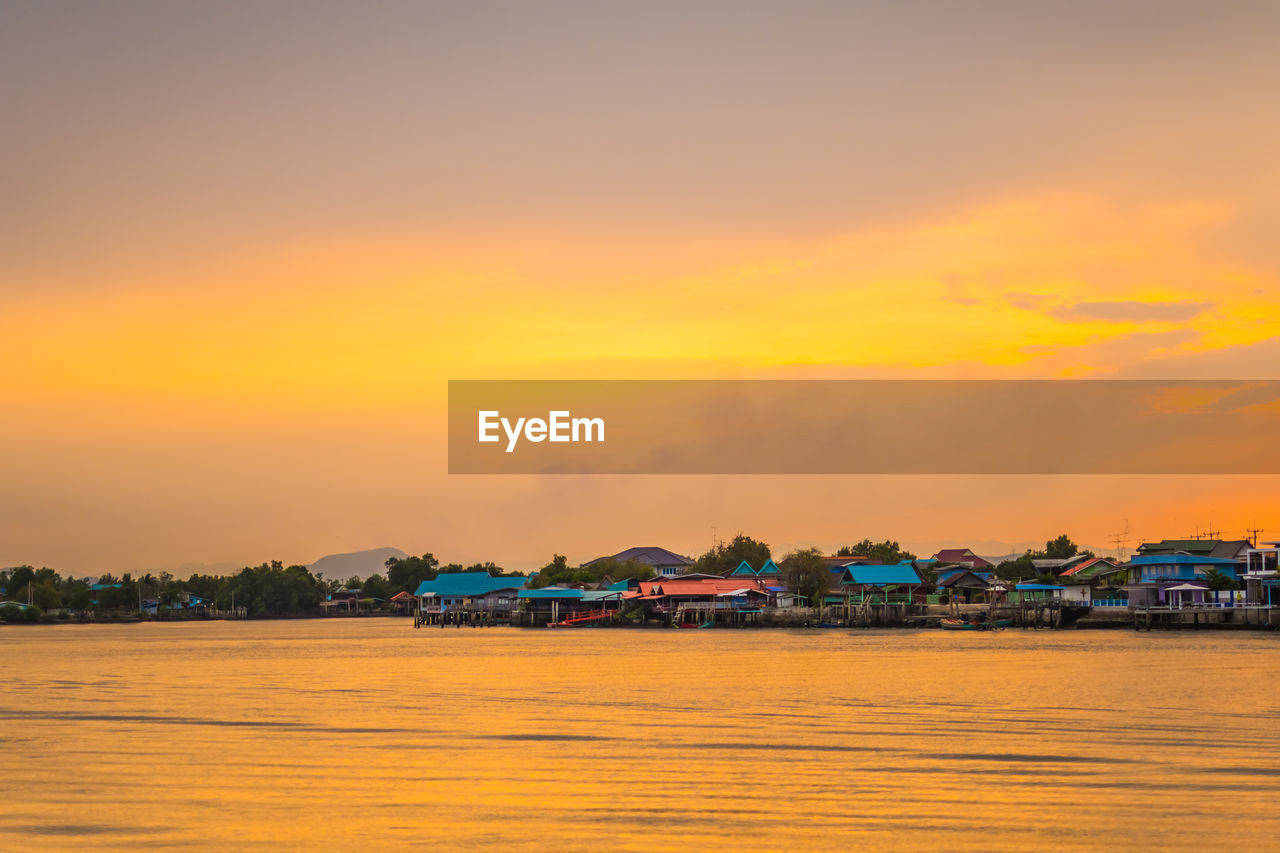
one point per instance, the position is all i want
(953, 624)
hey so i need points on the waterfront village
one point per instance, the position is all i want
(1166, 583)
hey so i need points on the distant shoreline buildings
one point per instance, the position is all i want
(654, 585)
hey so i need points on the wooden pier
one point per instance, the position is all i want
(1206, 616)
(475, 617)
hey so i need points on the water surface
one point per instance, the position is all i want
(367, 733)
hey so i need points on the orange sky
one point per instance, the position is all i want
(247, 248)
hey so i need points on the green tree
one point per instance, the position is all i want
(620, 570)
(408, 572)
(15, 584)
(1017, 569)
(724, 558)
(119, 594)
(272, 590)
(376, 586)
(1061, 548)
(807, 574)
(1219, 580)
(76, 595)
(46, 595)
(558, 571)
(11, 611)
(887, 552)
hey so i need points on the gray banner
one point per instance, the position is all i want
(863, 427)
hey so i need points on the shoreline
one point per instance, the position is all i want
(920, 623)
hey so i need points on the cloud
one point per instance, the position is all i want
(1028, 301)
(1127, 311)
(1260, 360)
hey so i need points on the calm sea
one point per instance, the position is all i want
(368, 734)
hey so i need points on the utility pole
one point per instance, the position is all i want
(1253, 534)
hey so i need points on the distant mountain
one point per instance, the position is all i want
(359, 564)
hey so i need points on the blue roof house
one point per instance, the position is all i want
(460, 589)
(1151, 576)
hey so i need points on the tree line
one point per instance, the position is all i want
(269, 589)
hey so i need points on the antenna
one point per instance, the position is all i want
(1120, 540)
(1253, 532)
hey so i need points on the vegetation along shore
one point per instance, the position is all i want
(1166, 583)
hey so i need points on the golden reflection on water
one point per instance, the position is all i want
(367, 733)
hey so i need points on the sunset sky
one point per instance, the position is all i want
(244, 246)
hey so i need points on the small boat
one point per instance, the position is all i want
(954, 624)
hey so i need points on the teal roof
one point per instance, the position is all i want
(1181, 559)
(770, 568)
(467, 583)
(881, 575)
(1039, 586)
(620, 586)
(744, 568)
(551, 592)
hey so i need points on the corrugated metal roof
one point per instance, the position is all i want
(699, 586)
(550, 592)
(881, 575)
(1075, 570)
(1181, 559)
(467, 583)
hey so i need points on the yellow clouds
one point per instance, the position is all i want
(1060, 284)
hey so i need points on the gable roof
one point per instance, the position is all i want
(649, 555)
(467, 583)
(965, 580)
(769, 568)
(1093, 566)
(744, 568)
(1224, 548)
(881, 575)
(961, 556)
(1059, 562)
(1181, 560)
